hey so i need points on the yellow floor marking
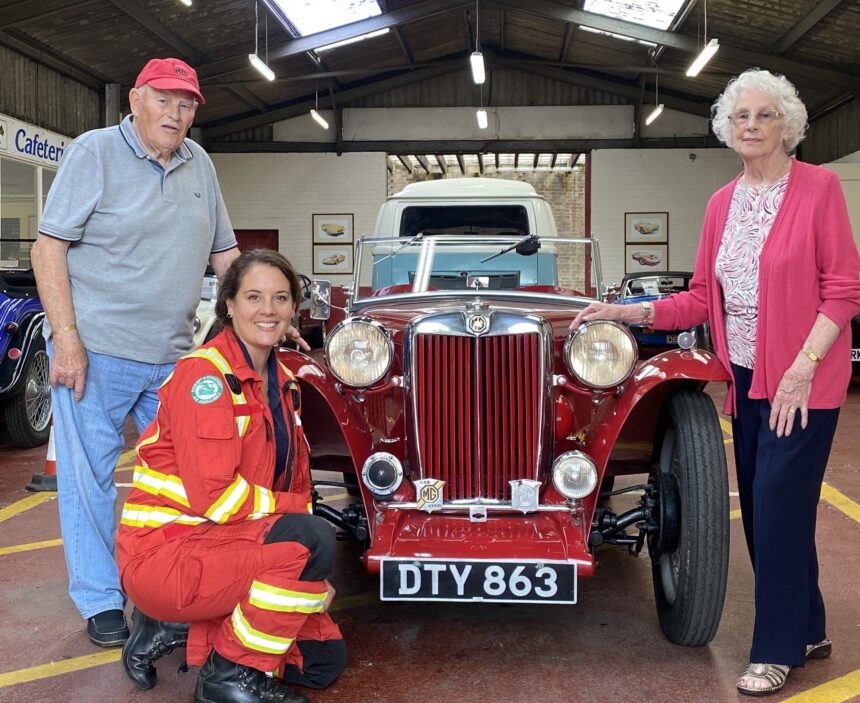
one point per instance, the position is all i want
(44, 671)
(25, 504)
(727, 427)
(734, 514)
(65, 666)
(836, 691)
(15, 548)
(841, 501)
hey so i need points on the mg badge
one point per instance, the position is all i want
(478, 324)
(524, 495)
(430, 494)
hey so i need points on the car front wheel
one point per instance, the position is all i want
(690, 552)
(27, 412)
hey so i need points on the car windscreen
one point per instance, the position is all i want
(482, 220)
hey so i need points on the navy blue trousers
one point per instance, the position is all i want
(779, 482)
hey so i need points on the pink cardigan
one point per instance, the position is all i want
(809, 265)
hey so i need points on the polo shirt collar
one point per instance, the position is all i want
(129, 133)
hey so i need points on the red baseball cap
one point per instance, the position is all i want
(170, 74)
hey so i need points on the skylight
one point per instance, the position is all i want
(651, 13)
(312, 16)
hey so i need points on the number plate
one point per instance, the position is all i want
(855, 355)
(502, 581)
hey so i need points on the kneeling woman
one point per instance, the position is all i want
(217, 531)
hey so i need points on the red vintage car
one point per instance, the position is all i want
(477, 430)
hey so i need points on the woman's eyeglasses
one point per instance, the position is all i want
(764, 117)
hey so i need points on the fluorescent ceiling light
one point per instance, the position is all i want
(369, 35)
(479, 75)
(319, 119)
(261, 66)
(655, 113)
(187, 3)
(615, 36)
(651, 13)
(481, 116)
(312, 16)
(707, 52)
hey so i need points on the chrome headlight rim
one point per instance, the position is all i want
(579, 330)
(574, 454)
(389, 346)
(380, 492)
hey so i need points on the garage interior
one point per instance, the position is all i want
(569, 86)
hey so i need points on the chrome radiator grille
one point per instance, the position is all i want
(478, 406)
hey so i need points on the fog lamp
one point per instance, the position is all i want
(574, 475)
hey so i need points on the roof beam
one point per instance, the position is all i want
(462, 163)
(27, 10)
(407, 164)
(309, 42)
(497, 160)
(819, 12)
(425, 164)
(480, 162)
(565, 44)
(689, 45)
(554, 159)
(398, 34)
(628, 91)
(443, 165)
(35, 51)
(502, 29)
(283, 113)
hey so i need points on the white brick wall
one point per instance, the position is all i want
(283, 191)
(655, 180)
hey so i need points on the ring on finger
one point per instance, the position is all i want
(792, 411)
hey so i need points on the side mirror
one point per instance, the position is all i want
(320, 300)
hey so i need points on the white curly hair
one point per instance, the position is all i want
(779, 89)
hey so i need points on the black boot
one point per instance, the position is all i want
(223, 681)
(149, 641)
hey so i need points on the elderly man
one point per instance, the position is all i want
(133, 216)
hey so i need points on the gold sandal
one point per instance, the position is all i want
(773, 675)
(820, 650)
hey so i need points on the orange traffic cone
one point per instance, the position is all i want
(47, 480)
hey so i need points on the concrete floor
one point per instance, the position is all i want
(606, 648)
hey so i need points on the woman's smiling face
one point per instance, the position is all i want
(263, 307)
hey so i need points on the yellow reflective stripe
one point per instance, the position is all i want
(264, 503)
(152, 438)
(282, 600)
(256, 640)
(311, 508)
(230, 501)
(242, 423)
(135, 515)
(157, 483)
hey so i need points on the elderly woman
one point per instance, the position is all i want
(216, 531)
(777, 275)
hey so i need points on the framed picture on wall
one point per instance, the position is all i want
(332, 229)
(646, 227)
(332, 259)
(641, 257)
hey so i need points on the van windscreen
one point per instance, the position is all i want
(490, 220)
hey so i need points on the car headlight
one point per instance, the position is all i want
(359, 352)
(574, 475)
(600, 354)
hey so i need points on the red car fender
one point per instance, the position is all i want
(350, 421)
(693, 366)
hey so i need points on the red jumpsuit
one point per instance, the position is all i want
(194, 543)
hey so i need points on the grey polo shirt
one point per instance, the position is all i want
(140, 240)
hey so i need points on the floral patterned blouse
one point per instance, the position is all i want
(751, 216)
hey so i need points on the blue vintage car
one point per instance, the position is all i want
(637, 288)
(25, 397)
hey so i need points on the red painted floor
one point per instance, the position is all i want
(606, 648)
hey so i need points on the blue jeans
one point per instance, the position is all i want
(89, 439)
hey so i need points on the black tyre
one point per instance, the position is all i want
(28, 411)
(690, 556)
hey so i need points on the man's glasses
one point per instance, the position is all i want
(764, 117)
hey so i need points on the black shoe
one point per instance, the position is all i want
(223, 681)
(107, 629)
(150, 640)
